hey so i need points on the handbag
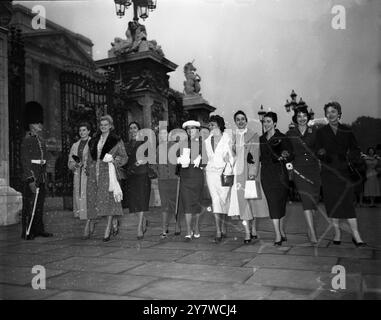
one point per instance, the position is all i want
(252, 190)
(227, 180)
(151, 173)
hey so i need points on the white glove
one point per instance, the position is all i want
(184, 161)
(108, 158)
(197, 161)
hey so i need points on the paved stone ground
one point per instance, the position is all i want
(126, 268)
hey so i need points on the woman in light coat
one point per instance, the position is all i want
(220, 160)
(247, 166)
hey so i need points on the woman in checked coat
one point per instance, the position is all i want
(104, 195)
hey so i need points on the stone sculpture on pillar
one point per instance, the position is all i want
(136, 41)
(192, 82)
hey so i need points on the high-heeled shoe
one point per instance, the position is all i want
(337, 242)
(283, 238)
(144, 230)
(247, 241)
(255, 237)
(358, 244)
(278, 243)
(115, 229)
(108, 238)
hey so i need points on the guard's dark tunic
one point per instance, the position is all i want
(307, 164)
(335, 175)
(274, 176)
(33, 161)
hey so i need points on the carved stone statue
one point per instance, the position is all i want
(136, 41)
(192, 82)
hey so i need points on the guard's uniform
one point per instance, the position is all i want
(33, 161)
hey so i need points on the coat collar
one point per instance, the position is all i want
(110, 143)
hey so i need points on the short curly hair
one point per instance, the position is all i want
(333, 104)
(219, 120)
(238, 113)
(271, 115)
(304, 110)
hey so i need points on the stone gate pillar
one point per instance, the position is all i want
(10, 200)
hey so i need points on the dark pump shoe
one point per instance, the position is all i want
(358, 244)
(27, 237)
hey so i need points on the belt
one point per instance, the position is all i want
(41, 162)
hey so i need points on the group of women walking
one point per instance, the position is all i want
(247, 175)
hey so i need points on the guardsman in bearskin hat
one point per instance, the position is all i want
(33, 161)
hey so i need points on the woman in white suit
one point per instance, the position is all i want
(77, 163)
(220, 159)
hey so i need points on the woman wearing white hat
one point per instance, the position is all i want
(191, 178)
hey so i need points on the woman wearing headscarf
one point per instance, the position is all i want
(276, 150)
(336, 146)
(104, 195)
(247, 167)
(76, 162)
(306, 173)
(191, 165)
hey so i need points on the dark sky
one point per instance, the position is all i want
(253, 52)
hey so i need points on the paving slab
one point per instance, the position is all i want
(293, 262)
(12, 292)
(29, 247)
(201, 290)
(22, 275)
(218, 258)
(84, 295)
(296, 279)
(332, 252)
(193, 272)
(290, 294)
(364, 266)
(27, 260)
(194, 245)
(263, 247)
(84, 251)
(372, 283)
(148, 254)
(94, 264)
(99, 282)
(337, 295)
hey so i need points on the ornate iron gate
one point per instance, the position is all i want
(83, 98)
(16, 96)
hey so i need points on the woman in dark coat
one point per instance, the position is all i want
(138, 181)
(276, 150)
(306, 166)
(192, 178)
(335, 145)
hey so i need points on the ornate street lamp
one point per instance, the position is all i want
(141, 7)
(261, 113)
(312, 114)
(291, 105)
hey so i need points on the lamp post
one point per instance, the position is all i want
(140, 7)
(261, 114)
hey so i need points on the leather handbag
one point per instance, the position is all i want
(227, 180)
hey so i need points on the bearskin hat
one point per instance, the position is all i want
(33, 113)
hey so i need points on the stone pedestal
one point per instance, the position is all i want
(10, 200)
(198, 108)
(142, 87)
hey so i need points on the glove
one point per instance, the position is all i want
(184, 161)
(108, 158)
(197, 161)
